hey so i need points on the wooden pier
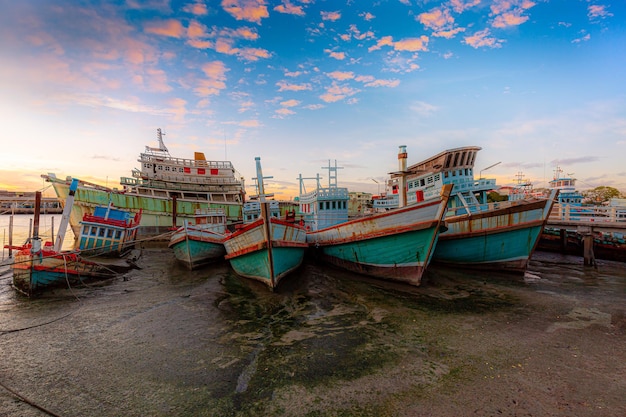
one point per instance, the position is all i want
(24, 203)
(586, 221)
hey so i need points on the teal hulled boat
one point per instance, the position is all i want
(479, 234)
(197, 244)
(397, 244)
(266, 248)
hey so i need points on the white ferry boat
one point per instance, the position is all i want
(168, 190)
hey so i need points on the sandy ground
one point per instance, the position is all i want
(163, 341)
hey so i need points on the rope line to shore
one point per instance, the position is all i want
(27, 401)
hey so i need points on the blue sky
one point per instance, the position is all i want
(84, 85)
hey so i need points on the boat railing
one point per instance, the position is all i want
(477, 208)
(569, 212)
(184, 162)
(217, 181)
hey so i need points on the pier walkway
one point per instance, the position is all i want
(586, 221)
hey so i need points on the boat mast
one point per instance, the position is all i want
(65, 219)
(267, 231)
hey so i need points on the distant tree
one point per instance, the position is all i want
(494, 197)
(601, 194)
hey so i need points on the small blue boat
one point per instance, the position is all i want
(396, 245)
(202, 242)
(109, 231)
(38, 266)
(266, 248)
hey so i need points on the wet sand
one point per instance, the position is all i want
(163, 341)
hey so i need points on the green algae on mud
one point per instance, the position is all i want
(339, 335)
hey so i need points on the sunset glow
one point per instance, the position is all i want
(84, 86)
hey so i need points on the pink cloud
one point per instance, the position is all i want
(200, 44)
(289, 8)
(341, 75)
(336, 55)
(482, 38)
(460, 6)
(249, 10)
(383, 83)
(448, 34)
(253, 54)
(412, 44)
(198, 9)
(384, 41)
(171, 27)
(250, 123)
(215, 79)
(596, 10)
(196, 29)
(332, 16)
(289, 103)
(436, 19)
(508, 19)
(285, 86)
(285, 112)
(336, 92)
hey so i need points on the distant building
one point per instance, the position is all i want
(360, 203)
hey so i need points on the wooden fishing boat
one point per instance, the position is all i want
(396, 245)
(37, 267)
(109, 231)
(202, 242)
(166, 188)
(479, 234)
(265, 248)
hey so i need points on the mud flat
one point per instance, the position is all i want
(163, 341)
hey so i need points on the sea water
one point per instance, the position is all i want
(22, 229)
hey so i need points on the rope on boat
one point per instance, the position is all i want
(27, 401)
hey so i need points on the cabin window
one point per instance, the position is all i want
(100, 232)
(437, 177)
(181, 169)
(94, 230)
(454, 173)
(328, 205)
(466, 172)
(160, 167)
(167, 168)
(110, 233)
(334, 205)
(118, 234)
(430, 180)
(321, 205)
(445, 174)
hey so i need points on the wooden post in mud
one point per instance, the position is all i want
(37, 214)
(563, 240)
(10, 236)
(589, 258)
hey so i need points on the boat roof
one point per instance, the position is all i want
(455, 158)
